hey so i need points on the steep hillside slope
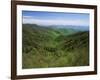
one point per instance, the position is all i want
(49, 47)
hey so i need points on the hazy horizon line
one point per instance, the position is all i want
(82, 28)
(56, 24)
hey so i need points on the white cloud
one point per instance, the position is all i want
(27, 17)
(30, 20)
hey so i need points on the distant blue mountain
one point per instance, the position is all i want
(74, 27)
(79, 28)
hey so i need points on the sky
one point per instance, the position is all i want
(55, 18)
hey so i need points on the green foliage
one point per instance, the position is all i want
(47, 47)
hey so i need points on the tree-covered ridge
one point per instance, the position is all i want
(54, 47)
